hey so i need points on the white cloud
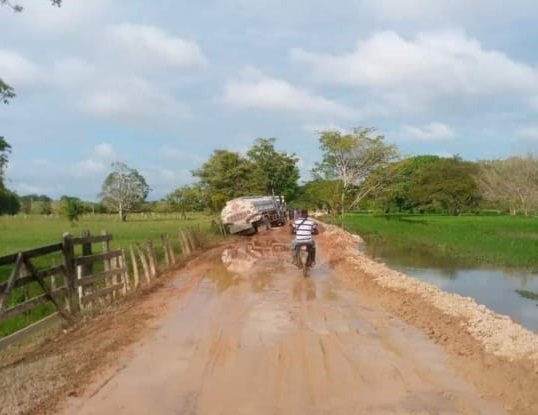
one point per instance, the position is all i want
(16, 70)
(89, 167)
(72, 72)
(434, 131)
(151, 46)
(133, 101)
(277, 95)
(105, 151)
(428, 67)
(98, 162)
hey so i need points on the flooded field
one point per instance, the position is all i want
(500, 290)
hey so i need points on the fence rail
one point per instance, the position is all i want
(85, 279)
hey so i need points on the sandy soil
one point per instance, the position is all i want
(238, 330)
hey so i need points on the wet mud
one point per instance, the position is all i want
(256, 337)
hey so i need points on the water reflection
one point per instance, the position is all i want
(495, 288)
(303, 289)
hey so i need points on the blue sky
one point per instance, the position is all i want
(159, 85)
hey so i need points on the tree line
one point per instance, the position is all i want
(358, 171)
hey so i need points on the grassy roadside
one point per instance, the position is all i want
(26, 232)
(489, 240)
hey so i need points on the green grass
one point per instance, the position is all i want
(489, 240)
(530, 295)
(25, 232)
(21, 233)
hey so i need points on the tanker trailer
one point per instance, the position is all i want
(245, 215)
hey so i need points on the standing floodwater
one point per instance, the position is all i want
(503, 291)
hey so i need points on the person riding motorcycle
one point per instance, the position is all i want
(303, 228)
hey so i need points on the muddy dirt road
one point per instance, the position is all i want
(250, 335)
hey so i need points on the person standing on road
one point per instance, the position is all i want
(304, 228)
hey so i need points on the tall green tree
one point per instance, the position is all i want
(396, 194)
(227, 175)
(187, 199)
(9, 202)
(277, 170)
(449, 184)
(349, 159)
(71, 207)
(123, 190)
(319, 194)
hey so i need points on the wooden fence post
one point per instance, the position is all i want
(124, 276)
(192, 241)
(165, 250)
(170, 247)
(80, 290)
(185, 248)
(107, 262)
(70, 273)
(87, 268)
(136, 275)
(151, 257)
(144, 262)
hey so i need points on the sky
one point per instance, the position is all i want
(159, 85)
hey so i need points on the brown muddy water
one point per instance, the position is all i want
(498, 289)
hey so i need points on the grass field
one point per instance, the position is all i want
(21, 233)
(25, 232)
(489, 240)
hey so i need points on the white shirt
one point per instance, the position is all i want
(303, 229)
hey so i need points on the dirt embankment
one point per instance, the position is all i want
(498, 355)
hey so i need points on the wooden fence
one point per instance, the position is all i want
(82, 277)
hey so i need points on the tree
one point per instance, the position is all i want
(448, 184)
(278, 171)
(36, 204)
(227, 175)
(319, 194)
(6, 92)
(397, 191)
(349, 159)
(512, 182)
(187, 199)
(123, 190)
(71, 207)
(9, 202)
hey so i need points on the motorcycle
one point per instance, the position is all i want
(303, 257)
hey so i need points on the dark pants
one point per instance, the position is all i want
(312, 244)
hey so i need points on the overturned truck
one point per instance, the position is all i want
(245, 215)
